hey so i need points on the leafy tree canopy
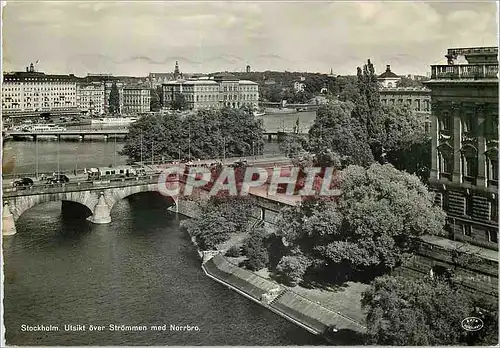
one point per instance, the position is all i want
(371, 226)
(424, 312)
(179, 102)
(114, 99)
(205, 133)
(335, 130)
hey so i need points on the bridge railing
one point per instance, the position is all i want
(79, 186)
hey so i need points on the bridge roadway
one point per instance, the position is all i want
(99, 197)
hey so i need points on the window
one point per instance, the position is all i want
(469, 166)
(444, 202)
(445, 122)
(493, 171)
(467, 230)
(445, 162)
(493, 236)
(468, 205)
(468, 123)
(417, 104)
(400, 101)
(493, 210)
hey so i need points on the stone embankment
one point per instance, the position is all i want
(299, 310)
(307, 314)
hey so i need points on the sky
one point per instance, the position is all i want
(136, 38)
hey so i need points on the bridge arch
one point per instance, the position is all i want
(112, 196)
(19, 205)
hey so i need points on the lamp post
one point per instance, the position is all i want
(141, 148)
(36, 157)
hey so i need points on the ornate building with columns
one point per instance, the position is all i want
(464, 174)
(465, 144)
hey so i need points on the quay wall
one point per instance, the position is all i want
(305, 313)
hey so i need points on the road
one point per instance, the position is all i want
(261, 161)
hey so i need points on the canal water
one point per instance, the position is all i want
(89, 153)
(140, 270)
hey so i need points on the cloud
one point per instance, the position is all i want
(147, 36)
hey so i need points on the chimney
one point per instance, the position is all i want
(27, 69)
(388, 68)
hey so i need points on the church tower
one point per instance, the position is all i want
(176, 70)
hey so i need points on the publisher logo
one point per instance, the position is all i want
(472, 324)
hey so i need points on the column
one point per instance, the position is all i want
(101, 212)
(457, 143)
(435, 142)
(8, 223)
(481, 145)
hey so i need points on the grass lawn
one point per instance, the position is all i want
(345, 299)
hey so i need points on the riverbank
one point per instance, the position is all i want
(297, 307)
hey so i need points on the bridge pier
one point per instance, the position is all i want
(8, 224)
(101, 212)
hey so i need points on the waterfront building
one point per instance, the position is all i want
(33, 92)
(388, 78)
(136, 99)
(418, 99)
(464, 173)
(216, 91)
(90, 98)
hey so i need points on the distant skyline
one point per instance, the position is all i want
(136, 38)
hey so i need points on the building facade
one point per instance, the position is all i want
(464, 174)
(35, 92)
(418, 99)
(465, 145)
(136, 99)
(90, 98)
(217, 91)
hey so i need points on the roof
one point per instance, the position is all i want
(388, 74)
(136, 87)
(247, 82)
(37, 76)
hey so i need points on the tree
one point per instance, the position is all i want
(335, 130)
(424, 312)
(161, 133)
(255, 250)
(370, 229)
(155, 100)
(293, 145)
(406, 82)
(293, 268)
(114, 99)
(210, 230)
(206, 133)
(406, 144)
(179, 102)
(236, 209)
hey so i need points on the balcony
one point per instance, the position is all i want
(465, 71)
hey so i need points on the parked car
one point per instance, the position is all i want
(58, 178)
(23, 182)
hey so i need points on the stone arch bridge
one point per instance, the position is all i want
(99, 199)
